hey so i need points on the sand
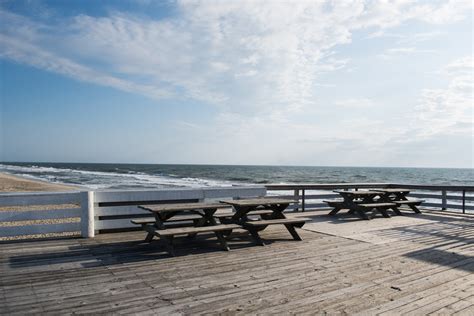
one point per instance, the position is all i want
(10, 183)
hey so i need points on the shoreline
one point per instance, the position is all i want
(14, 183)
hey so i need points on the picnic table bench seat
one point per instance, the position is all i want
(333, 202)
(299, 222)
(412, 203)
(255, 213)
(380, 207)
(375, 205)
(152, 220)
(167, 235)
(290, 223)
(193, 230)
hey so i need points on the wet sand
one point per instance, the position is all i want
(10, 183)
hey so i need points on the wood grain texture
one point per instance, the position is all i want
(428, 269)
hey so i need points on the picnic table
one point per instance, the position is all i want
(200, 214)
(362, 202)
(399, 197)
(260, 206)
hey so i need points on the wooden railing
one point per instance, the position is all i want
(442, 197)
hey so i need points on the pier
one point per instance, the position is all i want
(414, 264)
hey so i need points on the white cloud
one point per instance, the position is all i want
(403, 51)
(246, 56)
(355, 103)
(449, 110)
(261, 64)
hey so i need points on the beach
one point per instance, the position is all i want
(10, 183)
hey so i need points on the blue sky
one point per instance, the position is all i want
(362, 83)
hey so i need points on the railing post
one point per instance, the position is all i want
(302, 200)
(296, 195)
(87, 214)
(444, 203)
(464, 201)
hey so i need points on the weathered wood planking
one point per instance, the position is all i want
(428, 270)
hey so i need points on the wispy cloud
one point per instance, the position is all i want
(448, 110)
(355, 103)
(242, 56)
(403, 51)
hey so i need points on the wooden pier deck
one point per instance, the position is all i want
(423, 265)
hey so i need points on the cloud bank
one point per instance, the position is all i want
(259, 63)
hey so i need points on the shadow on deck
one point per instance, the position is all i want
(417, 263)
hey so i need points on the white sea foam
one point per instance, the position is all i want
(106, 180)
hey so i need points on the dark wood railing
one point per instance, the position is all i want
(437, 196)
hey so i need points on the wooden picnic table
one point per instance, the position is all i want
(277, 206)
(362, 202)
(201, 214)
(399, 196)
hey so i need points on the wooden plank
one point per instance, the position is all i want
(277, 221)
(10, 231)
(251, 213)
(113, 224)
(12, 216)
(40, 198)
(116, 273)
(259, 201)
(201, 229)
(119, 210)
(180, 218)
(161, 208)
(177, 194)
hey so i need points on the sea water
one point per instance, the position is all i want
(152, 176)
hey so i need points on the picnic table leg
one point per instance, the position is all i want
(362, 214)
(384, 212)
(149, 236)
(167, 241)
(335, 210)
(256, 236)
(397, 211)
(415, 209)
(278, 214)
(222, 240)
(196, 223)
(293, 231)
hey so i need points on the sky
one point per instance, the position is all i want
(329, 83)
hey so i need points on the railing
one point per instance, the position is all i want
(46, 213)
(88, 213)
(436, 196)
(114, 209)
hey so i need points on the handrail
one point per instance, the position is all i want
(303, 187)
(329, 186)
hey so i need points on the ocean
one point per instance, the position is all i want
(152, 176)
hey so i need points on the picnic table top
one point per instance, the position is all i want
(161, 208)
(392, 190)
(359, 193)
(259, 201)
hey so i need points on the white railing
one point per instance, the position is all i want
(98, 211)
(114, 209)
(44, 207)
